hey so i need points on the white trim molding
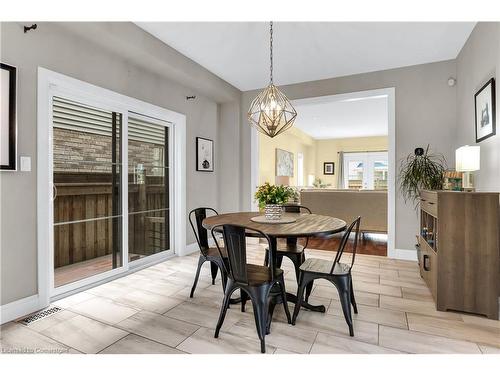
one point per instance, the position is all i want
(20, 308)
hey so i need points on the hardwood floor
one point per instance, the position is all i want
(150, 311)
(371, 244)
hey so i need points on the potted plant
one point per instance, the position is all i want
(421, 170)
(318, 183)
(271, 199)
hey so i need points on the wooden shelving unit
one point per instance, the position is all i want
(458, 250)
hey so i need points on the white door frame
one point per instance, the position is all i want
(390, 92)
(52, 83)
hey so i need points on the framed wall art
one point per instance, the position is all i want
(484, 104)
(284, 163)
(329, 167)
(204, 154)
(8, 121)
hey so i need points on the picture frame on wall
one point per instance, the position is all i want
(284, 163)
(484, 111)
(329, 167)
(204, 154)
(8, 118)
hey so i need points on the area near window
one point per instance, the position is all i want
(102, 222)
(366, 170)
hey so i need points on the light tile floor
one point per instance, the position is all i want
(150, 312)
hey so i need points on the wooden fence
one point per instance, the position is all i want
(84, 196)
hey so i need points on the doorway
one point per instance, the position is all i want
(111, 186)
(389, 176)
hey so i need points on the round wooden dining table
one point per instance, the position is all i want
(305, 225)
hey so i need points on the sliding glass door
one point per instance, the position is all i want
(366, 170)
(148, 187)
(87, 174)
(91, 147)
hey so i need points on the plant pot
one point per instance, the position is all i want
(273, 211)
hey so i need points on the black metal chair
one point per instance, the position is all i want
(292, 250)
(254, 281)
(337, 273)
(207, 253)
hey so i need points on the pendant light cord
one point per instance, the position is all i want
(271, 48)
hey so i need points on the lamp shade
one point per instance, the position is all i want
(467, 158)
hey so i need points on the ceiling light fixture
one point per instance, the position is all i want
(271, 112)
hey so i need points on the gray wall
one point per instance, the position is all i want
(479, 61)
(229, 156)
(123, 58)
(425, 114)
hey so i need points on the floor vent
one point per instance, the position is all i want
(39, 315)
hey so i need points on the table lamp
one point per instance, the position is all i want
(467, 160)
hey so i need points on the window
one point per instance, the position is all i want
(366, 170)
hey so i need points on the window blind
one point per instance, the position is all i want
(71, 115)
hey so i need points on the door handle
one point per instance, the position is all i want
(54, 192)
(426, 268)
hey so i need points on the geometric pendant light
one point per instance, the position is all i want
(271, 112)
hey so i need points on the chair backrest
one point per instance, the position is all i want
(200, 233)
(296, 208)
(345, 238)
(236, 249)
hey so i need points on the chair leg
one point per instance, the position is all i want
(309, 286)
(283, 298)
(279, 260)
(201, 260)
(353, 300)
(297, 261)
(225, 305)
(345, 300)
(224, 279)
(214, 268)
(244, 299)
(261, 310)
(270, 317)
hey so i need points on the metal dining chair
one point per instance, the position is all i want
(211, 254)
(256, 281)
(337, 273)
(293, 250)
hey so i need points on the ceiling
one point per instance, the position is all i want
(238, 52)
(343, 116)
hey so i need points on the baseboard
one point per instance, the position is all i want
(403, 254)
(19, 308)
(193, 247)
(190, 249)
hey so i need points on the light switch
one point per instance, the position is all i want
(25, 163)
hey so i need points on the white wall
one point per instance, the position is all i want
(479, 61)
(123, 58)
